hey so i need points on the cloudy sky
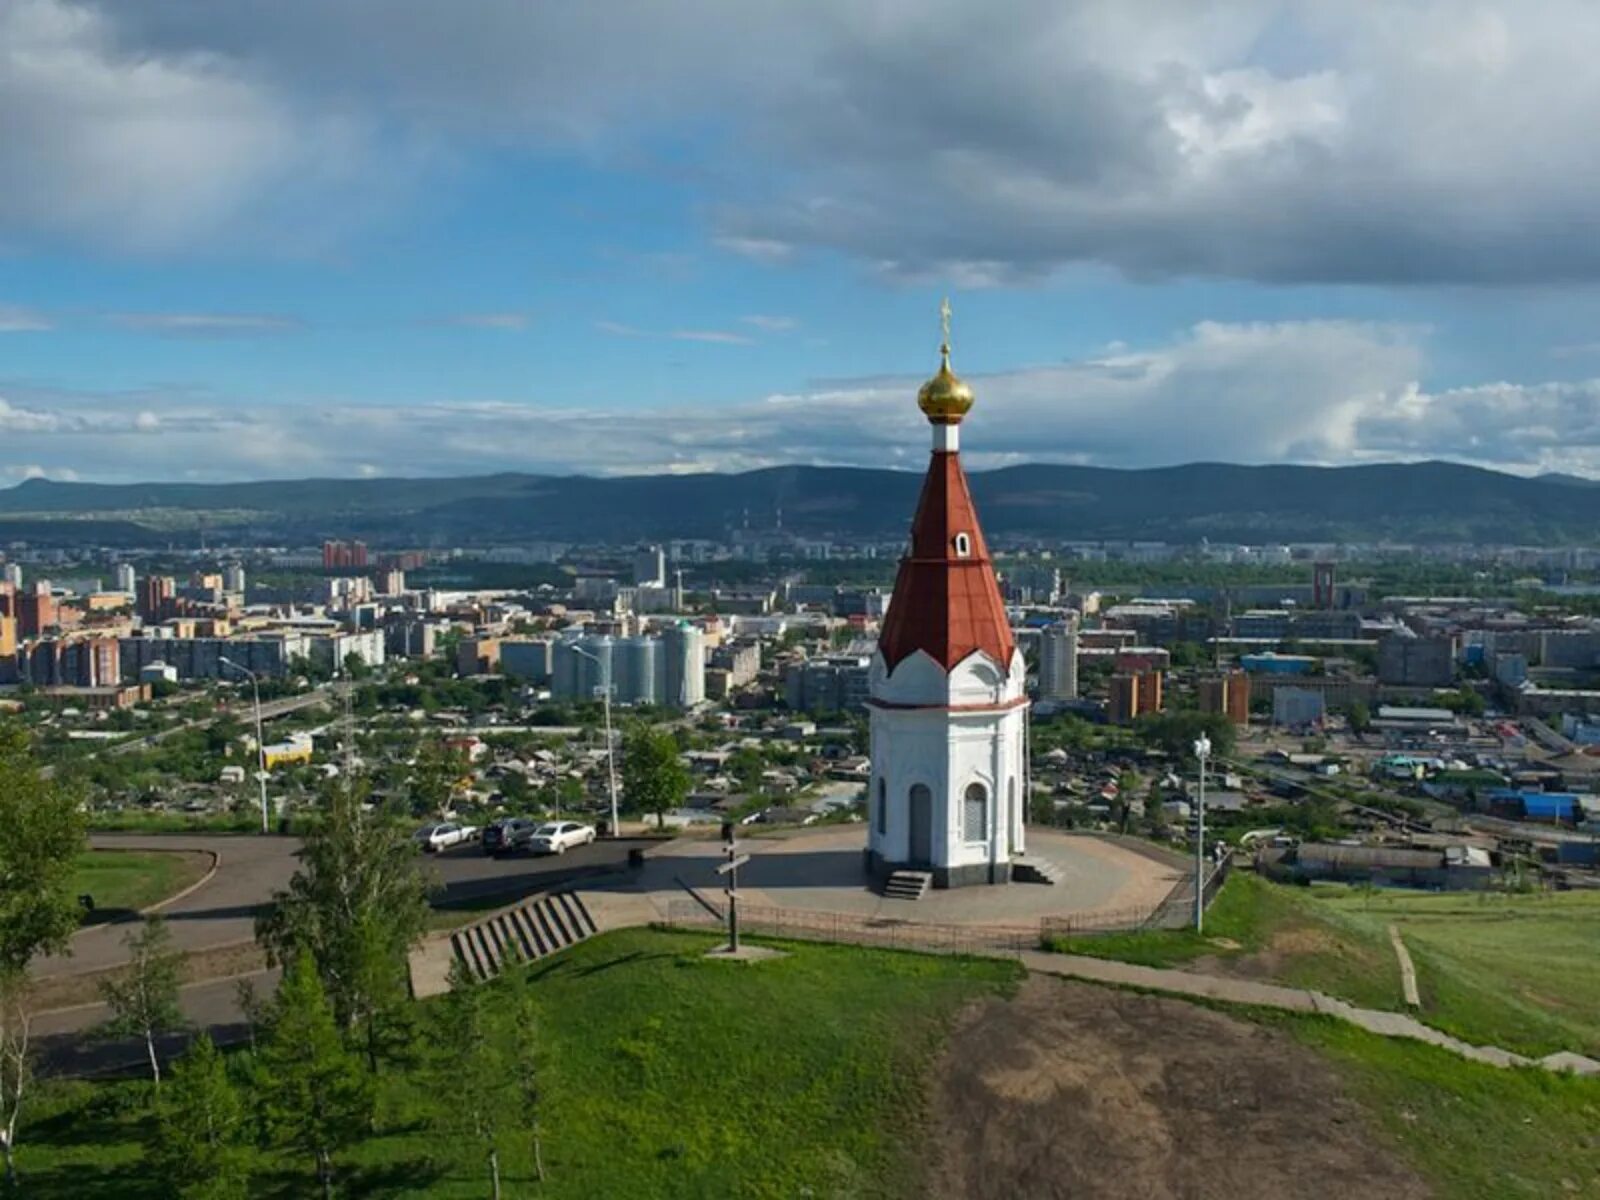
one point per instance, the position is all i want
(344, 237)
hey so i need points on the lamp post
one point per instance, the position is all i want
(611, 745)
(1202, 751)
(261, 745)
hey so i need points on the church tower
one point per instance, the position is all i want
(947, 703)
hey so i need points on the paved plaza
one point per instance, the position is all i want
(824, 870)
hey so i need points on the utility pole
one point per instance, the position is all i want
(1202, 751)
(261, 745)
(611, 746)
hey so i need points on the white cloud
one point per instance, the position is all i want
(23, 320)
(770, 324)
(1418, 141)
(118, 143)
(1309, 391)
(207, 325)
(489, 320)
(723, 337)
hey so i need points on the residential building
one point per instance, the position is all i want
(478, 656)
(1132, 694)
(532, 659)
(1410, 661)
(125, 578)
(1228, 694)
(1058, 660)
(1297, 706)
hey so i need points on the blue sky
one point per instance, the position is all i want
(352, 237)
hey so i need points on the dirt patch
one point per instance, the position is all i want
(1070, 1090)
(1270, 961)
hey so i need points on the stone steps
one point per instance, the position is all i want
(524, 934)
(908, 885)
(1036, 870)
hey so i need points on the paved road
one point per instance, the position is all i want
(222, 912)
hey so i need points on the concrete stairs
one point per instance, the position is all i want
(908, 885)
(1036, 870)
(523, 934)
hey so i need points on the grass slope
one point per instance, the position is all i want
(1518, 971)
(1476, 1132)
(666, 1075)
(124, 880)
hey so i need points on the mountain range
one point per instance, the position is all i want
(1405, 502)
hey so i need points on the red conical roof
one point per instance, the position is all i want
(946, 603)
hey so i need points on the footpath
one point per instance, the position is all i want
(1287, 999)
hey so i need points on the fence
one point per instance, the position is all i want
(856, 929)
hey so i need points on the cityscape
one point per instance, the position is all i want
(478, 719)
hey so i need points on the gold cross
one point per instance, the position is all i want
(944, 320)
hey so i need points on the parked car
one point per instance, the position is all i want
(557, 837)
(508, 835)
(433, 838)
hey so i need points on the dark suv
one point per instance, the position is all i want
(508, 836)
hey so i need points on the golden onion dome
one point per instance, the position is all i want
(945, 399)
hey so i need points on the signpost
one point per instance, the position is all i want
(730, 871)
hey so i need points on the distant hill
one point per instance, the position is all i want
(1430, 501)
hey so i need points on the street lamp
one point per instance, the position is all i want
(611, 746)
(1202, 751)
(261, 745)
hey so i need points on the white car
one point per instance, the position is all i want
(557, 837)
(433, 838)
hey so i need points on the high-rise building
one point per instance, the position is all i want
(1228, 694)
(343, 556)
(391, 582)
(531, 659)
(1416, 661)
(125, 578)
(233, 578)
(8, 637)
(477, 656)
(36, 610)
(1058, 661)
(156, 593)
(1132, 694)
(684, 654)
(12, 573)
(948, 707)
(650, 567)
(1322, 585)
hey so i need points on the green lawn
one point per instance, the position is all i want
(1274, 931)
(666, 1075)
(1475, 1132)
(1518, 971)
(120, 880)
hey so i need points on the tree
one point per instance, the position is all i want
(314, 1096)
(43, 832)
(196, 1146)
(357, 905)
(1360, 716)
(16, 1064)
(473, 1070)
(435, 776)
(653, 778)
(41, 835)
(144, 998)
(525, 1069)
(355, 667)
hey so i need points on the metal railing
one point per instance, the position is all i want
(894, 934)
